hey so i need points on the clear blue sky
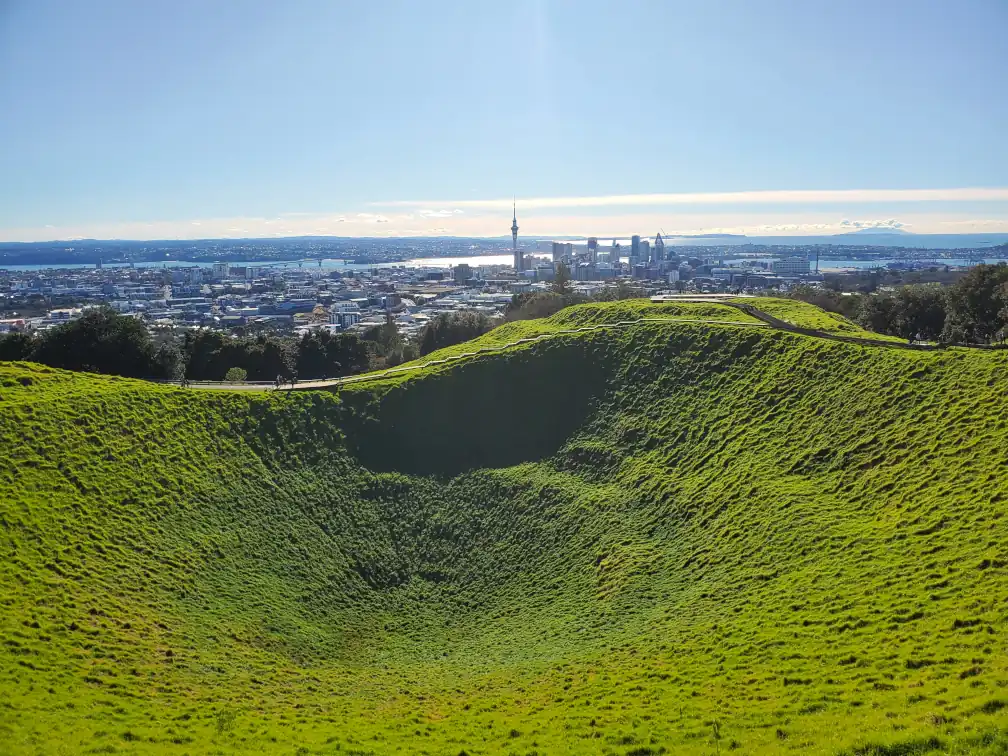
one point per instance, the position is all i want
(173, 113)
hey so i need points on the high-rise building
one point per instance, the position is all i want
(614, 253)
(563, 252)
(645, 252)
(659, 248)
(634, 250)
(592, 250)
(519, 262)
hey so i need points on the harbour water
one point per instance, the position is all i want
(825, 265)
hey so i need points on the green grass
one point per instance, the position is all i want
(806, 315)
(585, 315)
(663, 539)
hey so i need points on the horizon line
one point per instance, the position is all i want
(857, 233)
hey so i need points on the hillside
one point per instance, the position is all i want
(674, 537)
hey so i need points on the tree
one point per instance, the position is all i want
(878, 313)
(829, 300)
(561, 279)
(235, 375)
(321, 354)
(101, 341)
(209, 355)
(977, 307)
(920, 312)
(540, 304)
(16, 346)
(452, 328)
(385, 340)
(171, 364)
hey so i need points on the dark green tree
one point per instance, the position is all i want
(16, 346)
(452, 328)
(386, 343)
(322, 354)
(561, 280)
(101, 341)
(920, 311)
(977, 305)
(878, 313)
(209, 355)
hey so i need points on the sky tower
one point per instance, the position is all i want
(514, 241)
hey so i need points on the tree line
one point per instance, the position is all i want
(973, 310)
(102, 341)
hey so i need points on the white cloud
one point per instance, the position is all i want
(888, 223)
(440, 213)
(752, 221)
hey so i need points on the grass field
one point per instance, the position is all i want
(581, 316)
(804, 315)
(670, 538)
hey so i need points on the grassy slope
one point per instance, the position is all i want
(711, 535)
(580, 316)
(805, 315)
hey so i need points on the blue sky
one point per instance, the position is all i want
(185, 119)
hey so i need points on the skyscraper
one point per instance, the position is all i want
(659, 248)
(634, 250)
(592, 250)
(518, 261)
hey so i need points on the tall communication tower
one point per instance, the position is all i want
(518, 262)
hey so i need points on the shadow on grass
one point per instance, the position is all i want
(486, 413)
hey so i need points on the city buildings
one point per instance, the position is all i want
(791, 266)
(302, 294)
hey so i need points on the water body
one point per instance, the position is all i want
(304, 264)
(329, 264)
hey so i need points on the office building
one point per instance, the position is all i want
(791, 266)
(563, 252)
